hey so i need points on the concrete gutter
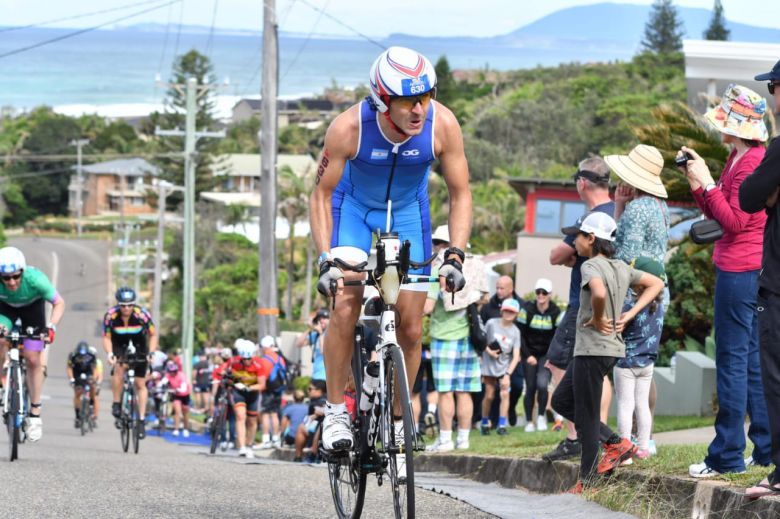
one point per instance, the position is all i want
(686, 496)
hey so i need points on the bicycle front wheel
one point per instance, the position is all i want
(84, 413)
(400, 434)
(135, 422)
(217, 426)
(12, 418)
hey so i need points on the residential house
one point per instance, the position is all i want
(293, 111)
(115, 186)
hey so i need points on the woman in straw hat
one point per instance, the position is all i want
(642, 234)
(737, 257)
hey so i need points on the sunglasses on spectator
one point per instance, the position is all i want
(541, 291)
(409, 102)
(12, 277)
(771, 86)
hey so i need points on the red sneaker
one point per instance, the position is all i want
(615, 454)
(576, 489)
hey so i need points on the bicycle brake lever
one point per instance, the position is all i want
(451, 286)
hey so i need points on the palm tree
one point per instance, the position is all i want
(294, 207)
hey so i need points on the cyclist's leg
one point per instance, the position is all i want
(94, 399)
(143, 395)
(34, 374)
(252, 412)
(239, 410)
(177, 412)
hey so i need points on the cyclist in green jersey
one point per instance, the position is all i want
(24, 291)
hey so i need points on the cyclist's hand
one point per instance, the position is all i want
(50, 333)
(240, 386)
(72, 382)
(111, 359)
(329, 274)
(451, 276)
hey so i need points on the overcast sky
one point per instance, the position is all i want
(374, 18)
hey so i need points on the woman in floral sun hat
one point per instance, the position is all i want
(737, 256)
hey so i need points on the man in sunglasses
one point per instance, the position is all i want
(757, 193)
(24, 291)
(123, 323)
(378, 155)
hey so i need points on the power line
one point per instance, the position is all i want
(165, 41)
(82, 31)
(77, 16)
(211, 30)
(305, 42)
(367, 38)
(178, 32)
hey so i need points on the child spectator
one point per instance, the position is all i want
(292, 417)
(180, 399)
(634, 373)
(499, 360)
(598, 343)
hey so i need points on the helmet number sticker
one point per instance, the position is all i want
(414, 86)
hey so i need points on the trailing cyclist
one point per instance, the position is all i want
(248, 377)
(24, 292)
(123, 323)
(378, 156)
(82, 361)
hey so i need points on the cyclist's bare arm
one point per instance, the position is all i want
(57, 310)
(154, 340)
(455, 170)
(69, 371)
(340, 144)
(108, 348)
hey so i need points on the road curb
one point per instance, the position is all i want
(685, 496)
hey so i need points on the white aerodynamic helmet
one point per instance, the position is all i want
(11, 260)
(246, 348)
(399, 72)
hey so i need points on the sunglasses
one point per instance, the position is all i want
(541, 292)
(12, 277)
(126, 305)
(409, 102)
(771, 86)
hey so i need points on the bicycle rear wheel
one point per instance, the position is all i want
(401, 448)
(347, 479)
(12, 418)
(217, 426)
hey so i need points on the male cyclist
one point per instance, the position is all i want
(249, 377)
(122, 324)
(377, 152)
(82, 361)
(24, 292)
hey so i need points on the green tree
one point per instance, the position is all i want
(294, 208)
(446, 92)
(717, 29)
(189, 65)
(664, 30)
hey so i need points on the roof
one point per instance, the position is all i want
(248, 164)
(249, 199)
(525, 185)
(730, 60)
(322, 105)
(128, 167)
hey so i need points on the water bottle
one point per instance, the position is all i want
(673, 363)
(370, 385)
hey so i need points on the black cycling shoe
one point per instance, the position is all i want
(116, 410)
(565, 450)
(141, 430)
(77, 423)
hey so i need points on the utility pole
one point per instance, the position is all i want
(163, 190)
(79, 143)
(191, 136)
(268, 298)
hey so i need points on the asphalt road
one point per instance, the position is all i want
(67, 475)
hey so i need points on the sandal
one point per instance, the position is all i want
(762, 489)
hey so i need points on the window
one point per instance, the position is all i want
(552, 215)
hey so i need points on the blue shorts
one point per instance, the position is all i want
(354, 225)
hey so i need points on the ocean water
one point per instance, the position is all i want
(114, 70)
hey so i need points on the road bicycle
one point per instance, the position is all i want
(86, 408)
(381, 445)
(162, 405)
(16, 401)
(129, 419)
(218, 425)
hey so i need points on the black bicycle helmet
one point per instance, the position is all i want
(82, 348)
(125, 295)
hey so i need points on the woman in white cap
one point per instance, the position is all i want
(737, 256)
